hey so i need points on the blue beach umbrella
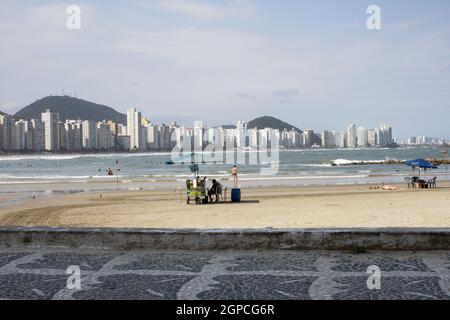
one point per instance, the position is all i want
(420, 164)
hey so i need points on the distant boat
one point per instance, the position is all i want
(169, 163)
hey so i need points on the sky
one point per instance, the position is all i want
(314, 64)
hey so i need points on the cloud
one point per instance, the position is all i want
(202, 9)
(163, 61)
(286, 93)
(285, 101)
(422, 21)
(243, 95)
(191, 8)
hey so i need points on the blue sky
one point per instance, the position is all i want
(312, 63)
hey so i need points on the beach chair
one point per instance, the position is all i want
(410, 182)
(432, 183)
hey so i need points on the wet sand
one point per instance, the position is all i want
(275, 207)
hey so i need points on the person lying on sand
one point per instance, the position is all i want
(384, 187)
(389, 187)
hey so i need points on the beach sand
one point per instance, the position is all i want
(275, 207)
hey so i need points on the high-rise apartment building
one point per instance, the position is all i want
(28, 132)
(73, 135)
(385, 135)
(51, 130)
(105, 137)
(133, 128)
(198, 137)
(63, 137)
(372, 137)
(362, 137)
(328, 139)
(18, 136)
(152, 137)
(308, 137)
(38, 134)
(340, 139)
(253, 138)
(351, 137)
(89, 135)
(6, 132)
(241, 134)
(113, 127)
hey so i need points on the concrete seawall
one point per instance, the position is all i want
(228, 239)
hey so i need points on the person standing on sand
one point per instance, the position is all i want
(234, 173)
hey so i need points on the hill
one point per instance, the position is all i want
(3, 114)
(71, 108)
(271, 122)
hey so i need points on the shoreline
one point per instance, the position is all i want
(169, 183)
(345, 206)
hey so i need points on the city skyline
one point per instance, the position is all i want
(408, 139)
(139, 134)
(316, 64)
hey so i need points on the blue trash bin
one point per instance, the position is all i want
(235, 195)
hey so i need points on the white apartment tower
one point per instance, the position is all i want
(385, 135)
(89, 138)
(51, 130)
(340, 139)
(133, 128)
(351, 136)
(199, 132)
(372, 137)
(362, 135)
(6, 130)
(308, 136)
(74, 135)
(241, 134)
(18, 135)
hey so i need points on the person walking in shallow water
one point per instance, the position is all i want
(234, 173)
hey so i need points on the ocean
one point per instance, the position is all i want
(295, 167)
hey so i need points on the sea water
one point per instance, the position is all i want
(296, 167)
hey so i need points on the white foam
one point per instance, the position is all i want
(77, 156)
(342, 162)
(39, 157)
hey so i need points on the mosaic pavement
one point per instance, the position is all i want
(41, 274)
